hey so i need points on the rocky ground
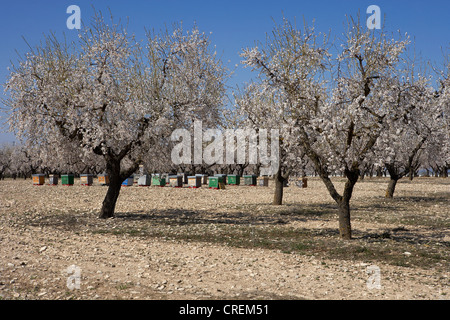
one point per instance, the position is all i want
(167, 243)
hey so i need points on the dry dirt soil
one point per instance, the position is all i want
(173, 244)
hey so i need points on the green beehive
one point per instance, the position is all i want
(157, 180)
(215, 182)
(224, 176)
(67, 179)
(234, 179)
(250, 180)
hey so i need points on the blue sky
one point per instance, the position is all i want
(234, 24)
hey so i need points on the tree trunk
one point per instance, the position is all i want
(279, 185)
(391, 187)
(343, 202)
(116, 177)
(371, 171)
(115, 184)
(379, 173)
(240, 170)
(345, 228)
(109, 203)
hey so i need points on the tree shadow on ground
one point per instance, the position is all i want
(404, 235)
(375, 207)
(267, 216)
(402, 203)
(270, 216)
(438, 197)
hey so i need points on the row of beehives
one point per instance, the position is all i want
(217, 181)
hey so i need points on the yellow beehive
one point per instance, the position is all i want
(103, 179)
(194, 181)
(38, 179)
(86, 179)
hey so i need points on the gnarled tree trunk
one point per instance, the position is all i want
(391, 187)
(345, 228)
(115, 184)
(116, 177)
(395, 176)
(279, 186)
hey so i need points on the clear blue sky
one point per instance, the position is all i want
(234, 24)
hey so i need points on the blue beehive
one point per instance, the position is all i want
(128, 182)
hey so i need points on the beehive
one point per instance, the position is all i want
(86, 179)
(194, 181)
(38, 179)
(128, 182)
(216, 182)
(103, 179)
(157, 180)
(176, 181)
(224, 176)
(304, 182)
(67, 179)
(184, 177)
(53, 180)
(204, 178)
(263, 181)
(250, 180)
(144, 181)
(234, 179)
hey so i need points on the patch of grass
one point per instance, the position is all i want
(124, 286)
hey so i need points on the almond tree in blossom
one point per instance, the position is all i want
(417, 118)
(336, 117)
(109, 95)
(263, 106)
